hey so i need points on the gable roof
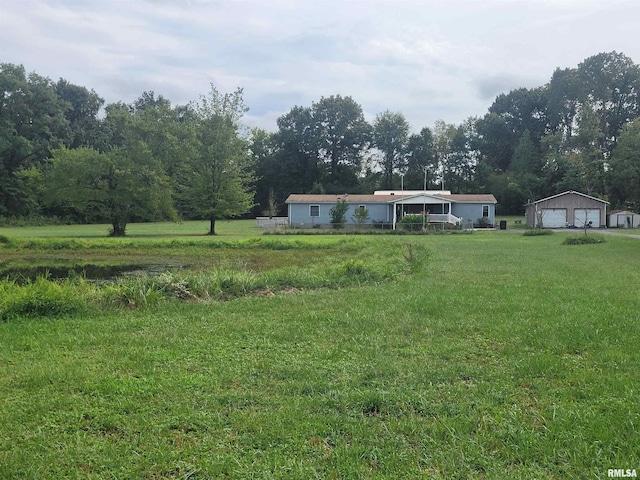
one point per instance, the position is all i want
(454, 198)
(626, 212)
(567, 193)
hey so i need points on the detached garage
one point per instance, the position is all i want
(568, 209)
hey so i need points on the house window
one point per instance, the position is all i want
(362, 207)
(485, 211)
(314, 210)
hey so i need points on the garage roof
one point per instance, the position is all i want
(567, 193)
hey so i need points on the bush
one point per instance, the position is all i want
(583, 239)
(537, 232)
(414, 223)
(483, 222)
(338, 213)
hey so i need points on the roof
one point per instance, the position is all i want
(567, 193)
(626, 212)
(455, 198)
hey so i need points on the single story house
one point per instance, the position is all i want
(567, 209)
(389, 206)
(624, 219)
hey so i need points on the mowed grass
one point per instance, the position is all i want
(504, 357)
(195, 229)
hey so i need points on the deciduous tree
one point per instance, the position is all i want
(216, 182)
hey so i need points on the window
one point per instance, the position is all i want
(314, 210)
(485, 211)
(362, 207)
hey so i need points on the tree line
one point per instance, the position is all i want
(64, 154)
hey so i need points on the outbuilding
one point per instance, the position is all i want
(624, 219)
(567, 209)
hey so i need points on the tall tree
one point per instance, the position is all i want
(340, 136)
(422, 155)
(611, 87)
(216, 183)
(118, 187)
(391, 138)
(82, 113)
(32, 123)
(296, 157)
(624, 172)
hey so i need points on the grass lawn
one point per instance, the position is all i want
(495, 356)
(140, 231)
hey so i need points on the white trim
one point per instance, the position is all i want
(566, 193)
(310, 207)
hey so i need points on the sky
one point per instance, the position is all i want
(429, 60)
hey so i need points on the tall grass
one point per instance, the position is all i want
(499, 356)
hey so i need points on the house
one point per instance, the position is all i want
(624, 219)
(389, 206)
(567, 209)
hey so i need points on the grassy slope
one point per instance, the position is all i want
(509, 357)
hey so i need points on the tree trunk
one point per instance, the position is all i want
(117, 229)
(212, 228)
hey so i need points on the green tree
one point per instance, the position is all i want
(122, 185)
(610, 86)
(82, 113)
(216, 182)
(340, 137)
(294, 166)
(391, 138)
(624, 171)
(32, 123)
(422, 155)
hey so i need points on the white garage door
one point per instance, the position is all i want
(554, 217)
(586, 215)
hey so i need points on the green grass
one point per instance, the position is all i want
(237, 229)
(503, 356)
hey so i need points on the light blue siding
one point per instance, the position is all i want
(473, 211)
(299, 213)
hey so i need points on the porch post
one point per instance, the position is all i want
(394, 215)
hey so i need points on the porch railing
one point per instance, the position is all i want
(443, 218)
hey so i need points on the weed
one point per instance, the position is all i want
(537, 232)
(41, 298)
(583, 239)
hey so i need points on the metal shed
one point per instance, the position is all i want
(624, 219)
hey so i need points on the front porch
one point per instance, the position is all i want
(438, 210)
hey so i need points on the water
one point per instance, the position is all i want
(89, 272)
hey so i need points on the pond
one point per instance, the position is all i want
(87, 271)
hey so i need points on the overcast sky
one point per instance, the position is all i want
(429, 60)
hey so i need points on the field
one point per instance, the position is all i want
(484, 355)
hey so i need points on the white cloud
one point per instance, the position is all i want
(426, 59)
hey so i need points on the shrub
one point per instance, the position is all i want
(483, 222)
(537, 232)
(414, 223)
(361, 216)
(338, 213)
(583, 239)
